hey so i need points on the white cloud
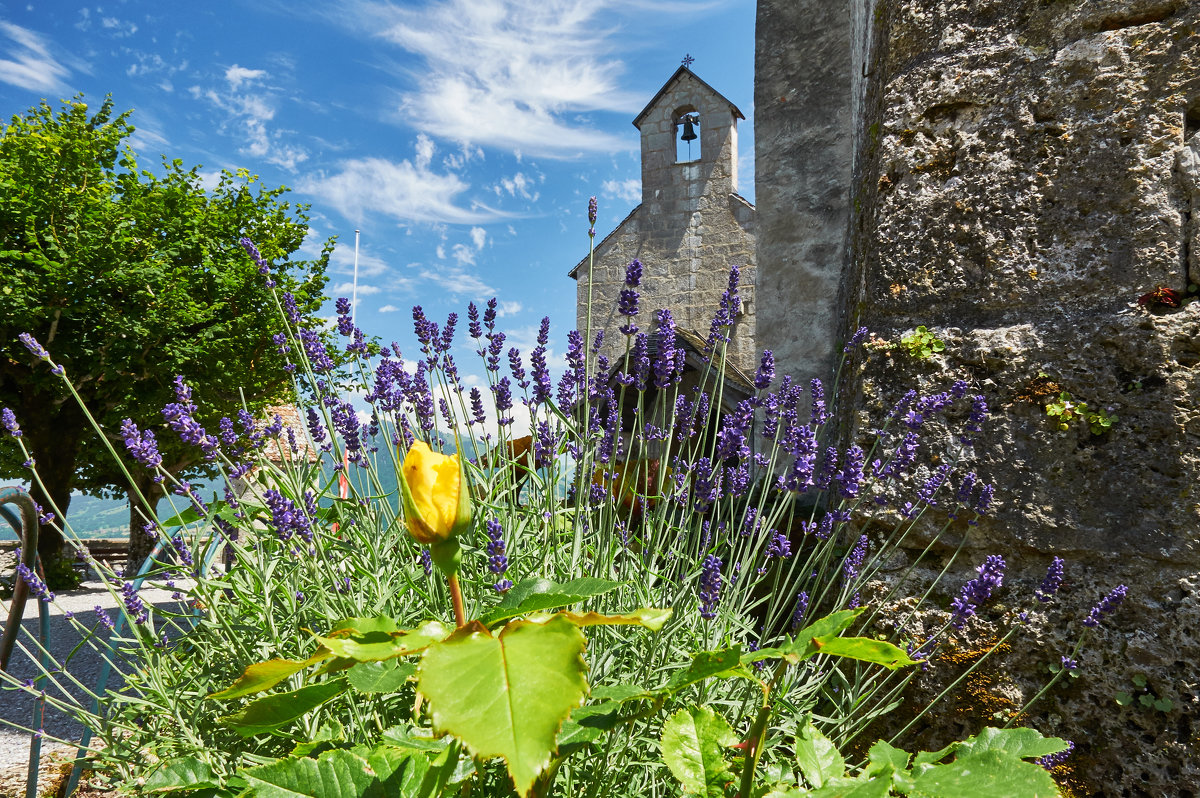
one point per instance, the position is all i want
(28, 64)
(629, 190)
(508, 309)
(404, 191)
(517, 186)
(369, 264)
(119, 28)
(463, 254)
(508, 75)
(478, 237)
(458, 282)
(250, 111)
(347, 289)
(388, 309)
(237, 75)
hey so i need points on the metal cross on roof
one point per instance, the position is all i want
(688, 60)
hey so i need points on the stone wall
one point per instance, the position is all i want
(690, 227)
(1022, 179)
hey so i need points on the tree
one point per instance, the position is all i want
(129, 279)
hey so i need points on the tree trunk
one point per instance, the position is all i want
(54, 442)
(140, 543)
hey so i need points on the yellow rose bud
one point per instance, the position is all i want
(437, 506)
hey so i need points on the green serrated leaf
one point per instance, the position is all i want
(817, 757)
(1146, 700)
(273, 711)
(378, 645)
(1139, 679)
(380, 677)
(693, 748)
(1022, 743)
(335, 774)
(854, 788)
(985, 774)
(183, 775)
(882, 755)
(652, 619)
(865, 649)
(1123, 698)
(506, 695)
(1163, 705)
(703, 665)
(264, 675)
(535, 595)
(404, 737)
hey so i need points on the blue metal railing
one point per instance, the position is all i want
(26, 525)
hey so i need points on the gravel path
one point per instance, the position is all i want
(17, 707)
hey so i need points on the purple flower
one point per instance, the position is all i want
(474, 329)
(477, 414)
(800, 610)
(314, 350)
(489, 315)
(36, 349)
(9, 420)
(497, 559)
(778, 546)
(134, 604)
(1107, 606)
(287, 519)
(514, 365)
(927, 491)
(984, 502)
(1051, 761)
(289, 307)
(766, 371)
(593, 212)
(852, 472)
(710, 586)
(859, 336)
(495, 347)
(854, 560)
(252, 251)
(974, 425)
(545, 444)
(627, 304)
(426, 561)
(502, 395)
(1069, 664)
(1052, 582)
(36, 586)
(104, 619)
(819, 413)
(978, 590)
(142, 446)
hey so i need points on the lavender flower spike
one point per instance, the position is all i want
(978, 590)
(1107, 606)
(36, 349)
(710, 586)
(9, 420)
(1053, 580)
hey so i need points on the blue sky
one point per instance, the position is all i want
(462, 137)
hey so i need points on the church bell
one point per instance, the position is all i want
(689, 130)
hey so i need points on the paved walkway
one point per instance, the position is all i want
(16, 706)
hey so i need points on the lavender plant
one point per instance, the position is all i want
(723, 516)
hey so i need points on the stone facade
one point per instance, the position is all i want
(689, 228)
(1021, 173)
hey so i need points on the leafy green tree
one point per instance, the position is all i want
(130, 278)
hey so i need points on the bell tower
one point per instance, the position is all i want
(689, 142)
(690, 227)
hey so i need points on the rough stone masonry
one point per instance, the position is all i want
(1015, 175)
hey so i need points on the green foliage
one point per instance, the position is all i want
(992, 764)
(129, 278)
(1066, 410)
(693, 747)
(1144, 696)
(922, 344)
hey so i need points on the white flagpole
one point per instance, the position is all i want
(354, 292)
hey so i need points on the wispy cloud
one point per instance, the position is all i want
(401, 190)
(628, 190)
(509, 75)
(347, 289)
(508, 309)
(388, 309)
(249, 105)
(29, 64)
(519, 185)
(458, 282)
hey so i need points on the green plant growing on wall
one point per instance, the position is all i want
(921, 344)
(1066, 410)
(1144, 695)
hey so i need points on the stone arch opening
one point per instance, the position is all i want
(686, 120)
